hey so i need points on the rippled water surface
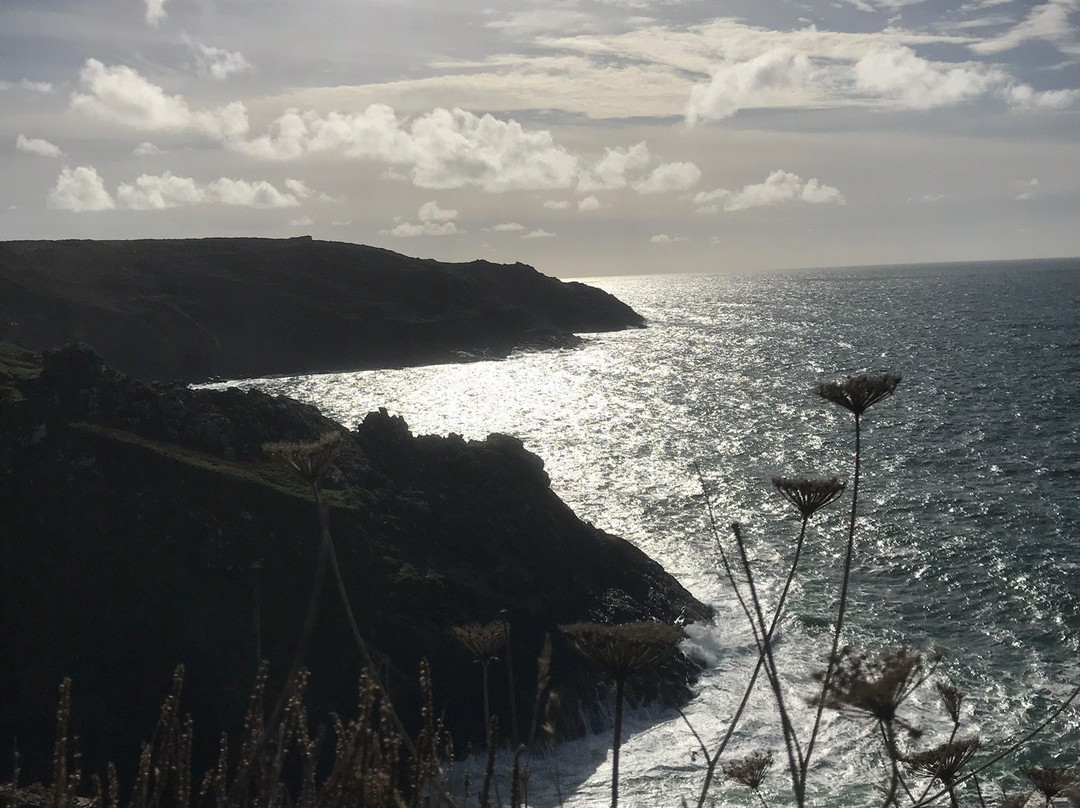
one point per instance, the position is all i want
(969, 536)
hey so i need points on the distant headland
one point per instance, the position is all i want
(195, 309)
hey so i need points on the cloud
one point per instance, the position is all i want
(79, 189)
(159, 192)
(898, 74)
(664, 238)
(155, 12)
(506, 227)
(556, 204)
(614, 169)
(25, 84)
(440, 149)
(431, 212)
(669, 177)
(434, 221)
(121, 95)
(774, 78)
(303, 221)
(539, 234)
(218, 63)
(38, 146)
(1049, 21)
(146, 149)
(540, 20)
(780, 187)
(589, 203)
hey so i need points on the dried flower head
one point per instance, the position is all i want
(750, 771)
(873, 685)
(310, 459)
(943, 762)
(1015, 800)
(859, 392)
(808, 495)
(951, 699)
(1049, 781)
(622, 651)
(485, 642)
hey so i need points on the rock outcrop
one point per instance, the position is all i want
(194, 309)
(143, 528)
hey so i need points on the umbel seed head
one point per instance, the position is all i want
(874, 686)
(623, 651)
(1049, 781)
(859, 392)
(943, 762)
(808, 495)
(750, 771)
(310, 460)
(485, 642)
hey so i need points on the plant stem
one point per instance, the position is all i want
(841, 607)
(620, 685)
(487, 706)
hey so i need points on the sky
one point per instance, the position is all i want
(584, 137)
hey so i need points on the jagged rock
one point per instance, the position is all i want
(142, 528)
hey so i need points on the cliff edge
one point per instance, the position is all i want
(192, 309)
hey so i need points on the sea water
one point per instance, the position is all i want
(969, 531)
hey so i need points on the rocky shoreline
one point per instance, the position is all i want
(143, 528)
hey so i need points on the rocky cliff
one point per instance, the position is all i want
(142, 527)
(199, 308)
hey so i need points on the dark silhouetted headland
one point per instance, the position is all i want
(193, 309)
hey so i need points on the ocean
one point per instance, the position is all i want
(969, 534)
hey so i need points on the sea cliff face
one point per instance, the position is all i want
(142, 528)
(193, 309)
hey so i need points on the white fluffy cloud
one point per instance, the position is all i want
(440, 149)
(121, 95)
(589, 203)
(541, 233)
(434, 221)
(218, 63)
(38, 146)
(557, 204)
(79, 189)
(506, 227)
(146, 149)
(615, 168)
(776, 77)
(664, 238)
(779, 188)
(155, 12)
(154, 192)
(669, 177)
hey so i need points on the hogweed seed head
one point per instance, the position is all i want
(484, 641)
(808, 495)
(750, 771)
(859, 392)
(1049, 781)
(623, 651)
(951, 699)
(873, 685)
(309, 459)
(943, 762)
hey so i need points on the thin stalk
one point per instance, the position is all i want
(487, 705)
(930, 784)
(714, 759)
(790, 741)
(841, 607)
(620, 685)
(894, 762)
